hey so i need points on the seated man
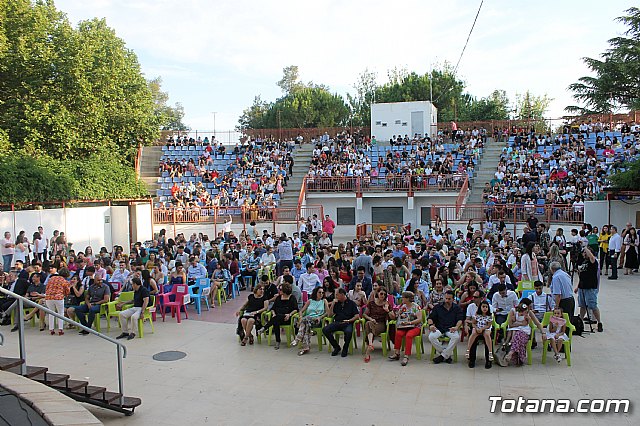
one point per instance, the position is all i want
(345, 313)
(130, 316)
(195, 270)
(445, 320)
(361, 277)
(251, 265)
(98, 294)
(542, 302)
(309, 280)
(35, 293)
(502, 302)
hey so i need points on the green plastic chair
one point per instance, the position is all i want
(524, 285)
(444, 339)
(352, 343)
(566, 344)
(418, 340)
(147, 315)
(386, 344)
(125, 296)
(289, 329)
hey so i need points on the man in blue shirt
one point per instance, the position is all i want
(367, 286)
(195, 270)
(562, 289)
(297, 270)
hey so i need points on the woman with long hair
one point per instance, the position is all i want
(631, 251)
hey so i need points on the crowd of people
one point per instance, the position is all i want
(562, 169)
(441, 284)
(253, 173)
(407, 156)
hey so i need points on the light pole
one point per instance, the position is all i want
(214, 123)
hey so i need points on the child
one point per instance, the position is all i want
(482, 327)
(358, 296)
(556, 332)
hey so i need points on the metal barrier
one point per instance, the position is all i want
(364, 229)
(405, 183)
(510, 213)
(121, 350)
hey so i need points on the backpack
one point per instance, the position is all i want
(576, 321)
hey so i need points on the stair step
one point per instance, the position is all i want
(50, 378)
(129, 402)
(71, 386)
(31, 371)
(91, 391)
(108, 396)
(7, 363)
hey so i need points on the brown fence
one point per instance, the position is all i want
(215, 215)
(407, 183)
(509, 213)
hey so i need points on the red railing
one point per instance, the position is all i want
(363, 229)
(282, 214)
(462, 196)
(405, 183)
(510, 213)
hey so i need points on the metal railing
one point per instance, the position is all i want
(405, 183)
(120, 348)
(509, 213)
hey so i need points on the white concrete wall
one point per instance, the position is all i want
(94, 226)
(391, 113)
(144, 222)
(616, 212)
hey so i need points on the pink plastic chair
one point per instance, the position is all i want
(305, 297)
(181, 293)
(391, 300)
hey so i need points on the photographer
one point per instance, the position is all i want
(588, 283)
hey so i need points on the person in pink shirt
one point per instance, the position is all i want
(328, 226)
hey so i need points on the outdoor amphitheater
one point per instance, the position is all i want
(425, 249)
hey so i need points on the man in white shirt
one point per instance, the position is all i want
(8, 248)
(309, 280)
(42, 247)
(503, 301)
(316, 225)
(195, 270)
(615, 245)
(120, 275)
(542, 302)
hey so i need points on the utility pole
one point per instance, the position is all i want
(214, 123)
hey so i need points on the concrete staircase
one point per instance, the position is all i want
(149, 161)
(485, 169)
(301, 161)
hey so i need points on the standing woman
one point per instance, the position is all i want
(603, 241)
(57, 289)
(21, 250)
(529, 264)
(631, 251)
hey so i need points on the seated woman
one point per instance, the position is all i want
(376, 314)
(256, 304)
(284, 306)
(329, 286)
(420, 298)
(409, 317)
(467, 296)
(437, 295)
(313, 311)
(518, 322)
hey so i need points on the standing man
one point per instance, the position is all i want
(587, 287)
(328, 226)
(562, 290)
(8, 248)
(364, 260)
(615, 246)
(454, 131)
(42, 248)
(316, 225)
(285, 254)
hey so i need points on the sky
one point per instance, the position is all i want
(216, 56)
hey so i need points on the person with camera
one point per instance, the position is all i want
(587, 288)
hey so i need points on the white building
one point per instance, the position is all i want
(403, 118)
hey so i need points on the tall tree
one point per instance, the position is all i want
(360, 102)
(616, 84)
(290, 82)
(168, 117)
(531, 107)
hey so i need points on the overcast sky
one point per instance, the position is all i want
(217, 55)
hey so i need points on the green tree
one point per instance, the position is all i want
(254, 116)
(67, 92)
(616, 83)
(168, 117)
(290, 82)
(360, 102)
(531, 107)
(492, 107)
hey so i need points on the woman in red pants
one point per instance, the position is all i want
(409, 317)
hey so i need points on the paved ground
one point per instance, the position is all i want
(220, 382)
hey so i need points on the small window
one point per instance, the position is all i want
(346, 215)
(404, 124)
(397, 121)
(384, 124)
(378, 123)
(425, 216)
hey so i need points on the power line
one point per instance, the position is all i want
(464, 48)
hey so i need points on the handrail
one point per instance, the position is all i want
(120, 348)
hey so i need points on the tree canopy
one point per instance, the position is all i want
(312, 105)
(70, 98)
(616, 83)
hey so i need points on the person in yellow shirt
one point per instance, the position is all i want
(603, 241)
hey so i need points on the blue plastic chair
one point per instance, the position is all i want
(205, 289)
(195, 294)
